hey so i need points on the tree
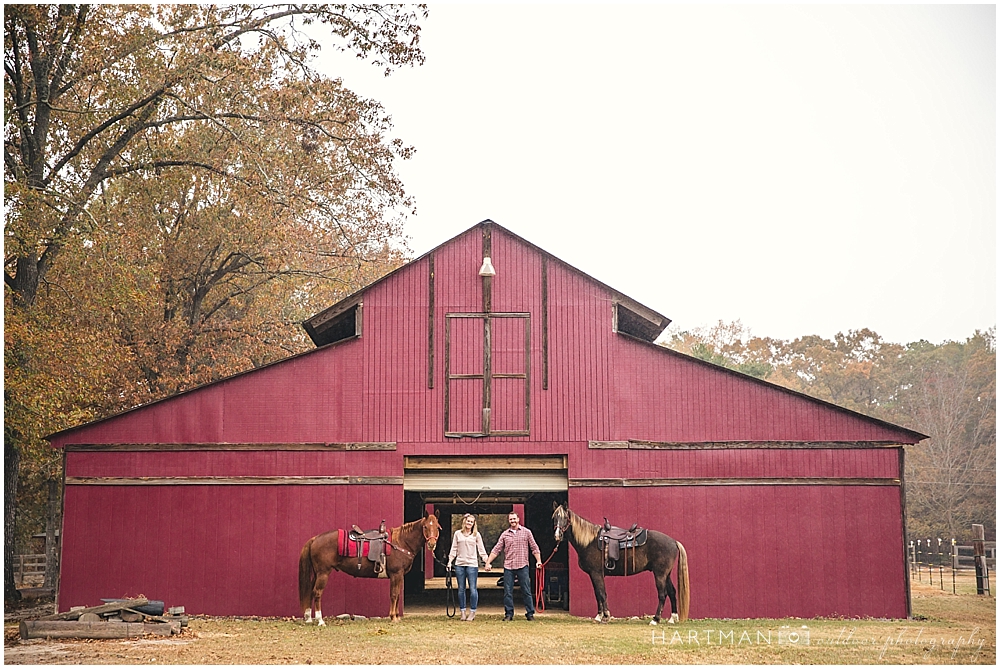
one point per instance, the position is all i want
(91, 90)
(949, 391)
(729, 345)
(184, 156)
(946, 391)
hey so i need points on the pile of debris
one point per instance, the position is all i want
(115, 619)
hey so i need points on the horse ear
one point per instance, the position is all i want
(437, 512)
(555, 505)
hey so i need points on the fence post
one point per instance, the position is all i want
(954, 565)
(930, 565)
(940, 565)
(920, 556)
(979, 555)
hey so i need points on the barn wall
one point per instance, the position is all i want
(761, 551)
(734, 463)
(233, 463)
(664, 396)
(217, 550)
(398, 404)
(312, 398)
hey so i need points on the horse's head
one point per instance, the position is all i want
(560, 520)
(432, 530)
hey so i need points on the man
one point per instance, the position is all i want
(515, 542)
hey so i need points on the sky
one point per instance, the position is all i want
(802, 169)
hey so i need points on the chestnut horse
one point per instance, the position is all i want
(658, 555)
(319, 557)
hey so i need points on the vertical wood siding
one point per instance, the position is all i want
(307, 399)
(217, 550)
(760, 551)
(738, 463)
(677, 398)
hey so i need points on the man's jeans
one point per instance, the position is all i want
(472, 574)
(524, 578)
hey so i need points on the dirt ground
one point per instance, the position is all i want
(945, 629)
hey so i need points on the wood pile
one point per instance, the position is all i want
(113, 620)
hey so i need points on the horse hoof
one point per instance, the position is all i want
(321, 623)
(597, 618)
(674, 619)
(653, 622)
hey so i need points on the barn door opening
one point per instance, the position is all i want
(487, 486)
(487, 374)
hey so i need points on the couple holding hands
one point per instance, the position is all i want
(515, 542)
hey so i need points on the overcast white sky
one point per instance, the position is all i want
(805, 169)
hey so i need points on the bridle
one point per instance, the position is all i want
(561, 523)
(436, 533)
(428, 535)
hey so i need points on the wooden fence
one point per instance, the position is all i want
(29, 570)
(942, 560)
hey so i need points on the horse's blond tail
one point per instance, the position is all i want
(683, 583)
(306, 576)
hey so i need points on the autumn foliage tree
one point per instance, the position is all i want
(181, 189)
(946, 391)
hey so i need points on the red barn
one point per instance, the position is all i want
(437, 386)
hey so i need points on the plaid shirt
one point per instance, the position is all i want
(515, 547)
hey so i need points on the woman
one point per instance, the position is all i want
(465, 545)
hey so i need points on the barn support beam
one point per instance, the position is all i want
(707, 481)
(233, 480)
(341, 446)
(642, 445)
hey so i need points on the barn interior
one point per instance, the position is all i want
(426, 586)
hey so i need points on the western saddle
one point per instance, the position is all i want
(376, 539)
(613, 540)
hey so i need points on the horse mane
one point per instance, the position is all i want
(584, 530)
(396, 532)
(406, 527)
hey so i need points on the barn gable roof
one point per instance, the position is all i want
(635, 318)
(635, 322)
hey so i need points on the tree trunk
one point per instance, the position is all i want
(11, 463)
(24, 282)
(51, 546)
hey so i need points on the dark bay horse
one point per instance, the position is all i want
(658, 555)
(319, 557)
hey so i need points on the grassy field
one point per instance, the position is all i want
(946, 629)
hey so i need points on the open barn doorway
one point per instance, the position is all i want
(490, 488)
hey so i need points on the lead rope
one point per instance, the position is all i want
(540, 580)
(450, 606)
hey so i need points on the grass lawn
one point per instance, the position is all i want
(946, 629)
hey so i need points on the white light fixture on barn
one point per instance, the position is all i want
(487, 268)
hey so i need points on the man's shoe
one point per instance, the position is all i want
(530, 616)
(507, 619)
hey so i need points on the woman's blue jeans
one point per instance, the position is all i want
(472, 575)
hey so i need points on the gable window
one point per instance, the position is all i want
(339, 322)
(487, 374)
